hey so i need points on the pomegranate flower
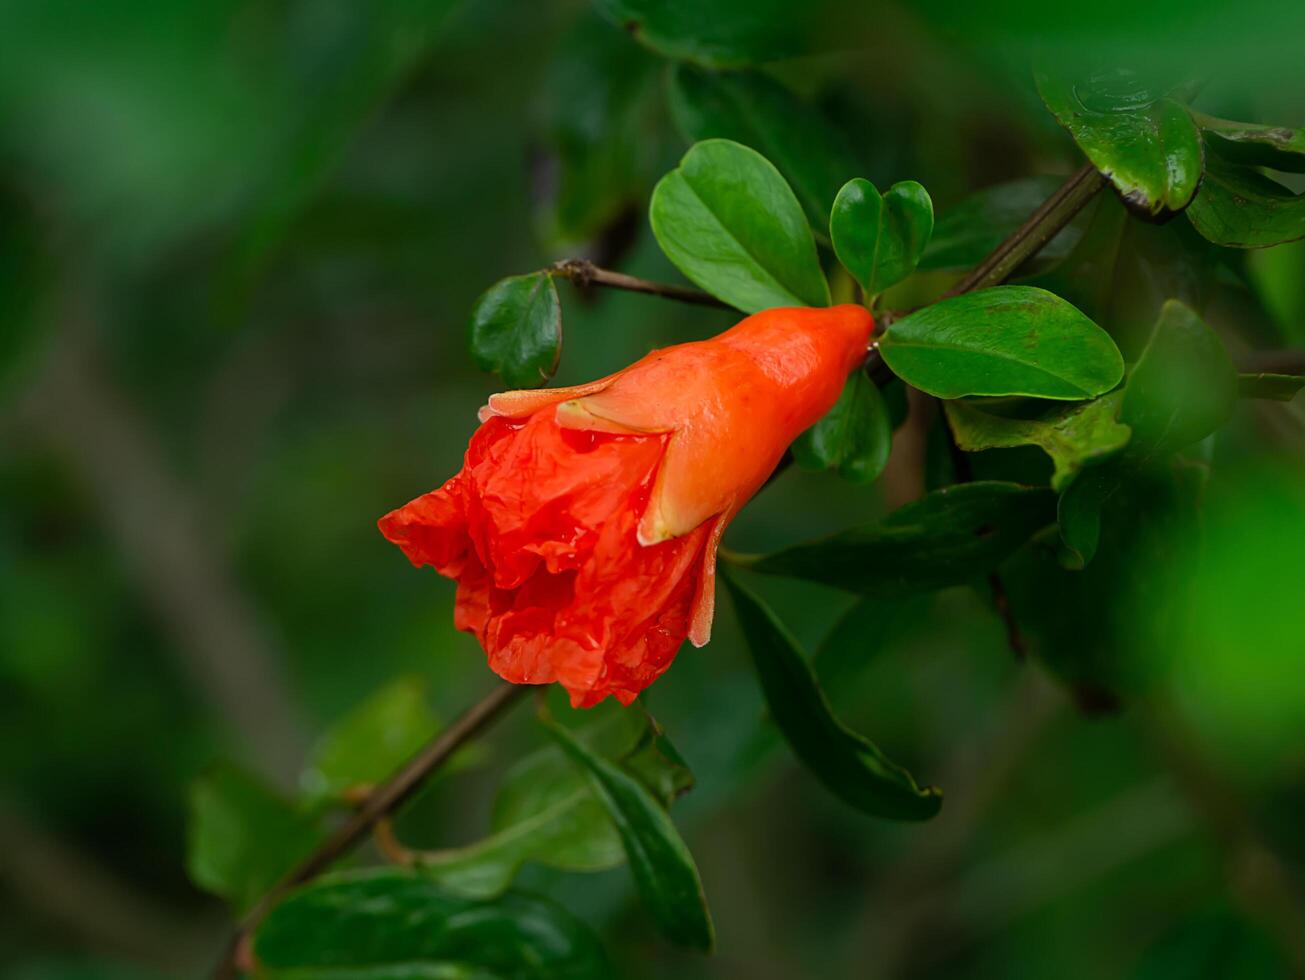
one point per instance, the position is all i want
(582, 529)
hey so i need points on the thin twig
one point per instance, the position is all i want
(1037, 230)
(383, 801)
(584, 273)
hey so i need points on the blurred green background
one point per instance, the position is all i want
(239, 240)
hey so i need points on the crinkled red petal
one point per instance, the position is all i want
(539, 528)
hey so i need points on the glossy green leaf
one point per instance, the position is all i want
(851, 766)
(1007, 340)
(965, 234)
(757, 111)
(546, 810)
(855, 436)
(1254, 145)
(516, 330)
(880, 238)
(370, 742)
(387, 924)
(660, 861)
(1182, 388)
(720, 34)
(729, 222)
(1146, 144)
(1073, 435)
(1241, 208)
(948, 537)
(242, 837)
(1276, 387)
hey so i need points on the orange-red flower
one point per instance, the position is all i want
(583, 526)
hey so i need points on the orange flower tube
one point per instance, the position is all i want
(582, 529)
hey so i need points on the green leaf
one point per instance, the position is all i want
(720, 34)
(516, 330)
(1254, 145)
(1241, 208)
(1182, 388)
(387, 924)
(1073, 436)
(755, 110)
(879, 239)
(1278, 387)
(729, 222)
(964, 235)
(855, 436)
(851, 766)
(660, 861)
(546, 810)
(1007, 340)
(948, 537)
(1147, 145)
(370, 742)
(242, 837)
(1078, 514)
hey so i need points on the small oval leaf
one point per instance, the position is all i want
(393, 923)
(660, 861)
(850, 765)
(729, 222)
(1149, 148)
(947, 537)
(855, 436)
(1007, 340)
(516, 330)
(879, 239)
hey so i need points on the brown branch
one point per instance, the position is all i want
(1273, 362)
(583, 273)
(1037, 230)
(378, 805)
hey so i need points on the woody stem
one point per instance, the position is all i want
(378, 805)
(583, 273)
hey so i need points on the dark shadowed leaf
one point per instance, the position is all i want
(1182, 388)
(1078, 513)
(601, 98)
(851, 766)
(1277, 387)
(1072, 435)
(1007, 340)
(387, 924)
(729, 222)
(1146, 144)
(660, 861)
(1254, 145)
(1241, 208)
(947, 537)
(757, 111)
(242, 837)
(547, 812)
(964, 235)
(516, 330)
(720, 34)
(371, 741)
(855, 436)
(879, 238)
